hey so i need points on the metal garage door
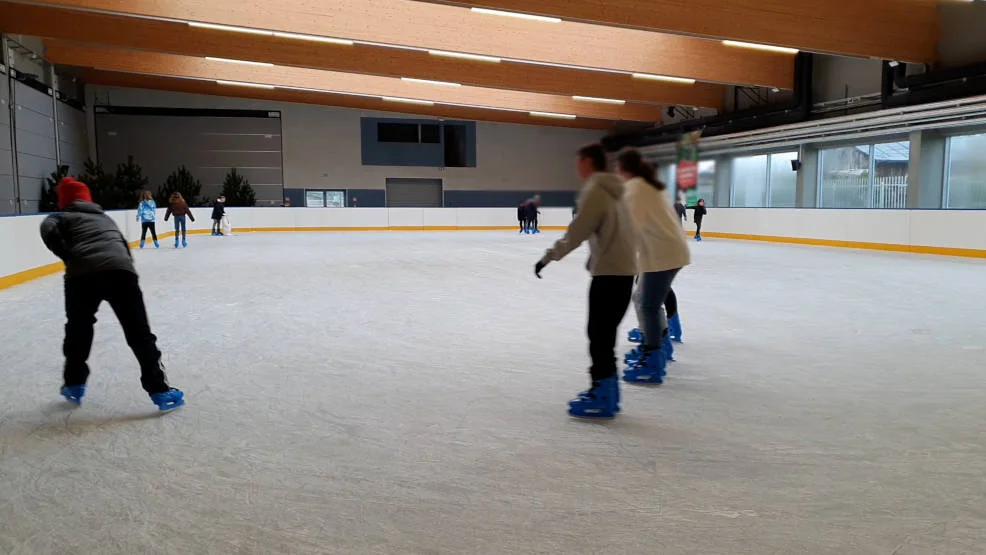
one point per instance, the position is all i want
(414, 193)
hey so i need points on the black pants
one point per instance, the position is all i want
(609, 297)
(698, 227)
(144, 226)
(83, 295)
(671, 304)
(217, 226)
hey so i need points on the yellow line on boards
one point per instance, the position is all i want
(892, 247)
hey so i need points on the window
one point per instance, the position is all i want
(397, 132)
(965, 185)
(430, 133)
(325, 199)
(783, 181)
(706, 183)
(750, 181)
(864, 176)
(455, 146)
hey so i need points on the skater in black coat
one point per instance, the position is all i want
(99, 267)
(700, 212)
(679, 209)
(522, 216)
(218, 211)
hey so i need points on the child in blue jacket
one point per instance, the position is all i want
(147, 215)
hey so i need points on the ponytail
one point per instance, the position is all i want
(632, 162)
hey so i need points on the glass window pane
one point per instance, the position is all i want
(335, 199)
(891, 162)
(749, 181)
(314, 199)
(783, 181)
(706, 183)
(967, 172)
(845, 177)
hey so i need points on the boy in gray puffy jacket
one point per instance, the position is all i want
(99, 267)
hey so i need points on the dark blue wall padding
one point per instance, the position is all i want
(368, 198)
(496, 199)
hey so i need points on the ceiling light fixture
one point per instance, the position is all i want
(464, 56)
(231, 28)
(408, 100)
(430, 82)
(665, 78)
(313, 38)
(551, 115)
(517, 15)
(755, 46)
(245, 84)
(243, 62)
(600, 100)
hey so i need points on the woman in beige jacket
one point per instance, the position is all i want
(662, 251)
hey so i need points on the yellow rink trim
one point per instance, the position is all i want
(56, 267)
(892, 247)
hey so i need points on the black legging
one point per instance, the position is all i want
(671, 304)
(144, 226)
(698, 227)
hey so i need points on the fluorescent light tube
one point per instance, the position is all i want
(464, 56)
(231, 28)
(313, 38)
(517, 15)
(666, 78)
(552, 115)
(243, 62)
(755, 46)
(600, 100)
(244, 84)
(430, 82)
(408, 100)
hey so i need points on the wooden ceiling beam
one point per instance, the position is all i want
(408, 23)
(174, 84)
(177, 38)
(903, 30)
(154, 63)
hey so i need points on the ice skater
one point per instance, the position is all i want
(99, 267)
(522, 216)
(178, 207)
(218, 212)
(604, 221)
(662, 251)
(700, 212)
(680, 210)
(533, 209)
(147, 216)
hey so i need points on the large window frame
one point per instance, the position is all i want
(766, 200)
(946, 197)
(871, 180)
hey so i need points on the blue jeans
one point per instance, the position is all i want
(180, 227)
(652, 290)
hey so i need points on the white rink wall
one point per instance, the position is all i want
(21, 249)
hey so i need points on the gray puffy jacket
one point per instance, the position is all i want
(87, 240)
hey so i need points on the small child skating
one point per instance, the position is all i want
(99, 267)
(522, 216)
(218, 211)
(147, 216)
(178, 207)
(700, 212)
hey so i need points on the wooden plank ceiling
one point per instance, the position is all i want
(904, 30)
(593, 75)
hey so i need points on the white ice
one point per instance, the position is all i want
(391, 393)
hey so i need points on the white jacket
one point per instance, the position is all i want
(661, 242)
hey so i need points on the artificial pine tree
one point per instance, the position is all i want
(130, 182)
(100, 183)
(49, 198)
(181, 181)
(237, 190)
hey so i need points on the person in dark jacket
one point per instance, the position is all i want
(218, 211)
(522, 216)
(533, 209)
(700, 212)
(679, 209)
(99, 267)
(178, 207)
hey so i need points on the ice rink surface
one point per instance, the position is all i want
(394, 393)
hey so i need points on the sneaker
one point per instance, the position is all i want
(599, 402)
(170, 400)
(74, 393)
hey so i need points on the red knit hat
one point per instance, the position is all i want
(70, 190)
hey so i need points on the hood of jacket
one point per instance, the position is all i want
(610, 183)
(84, 207)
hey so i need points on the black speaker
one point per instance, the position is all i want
(795, 165)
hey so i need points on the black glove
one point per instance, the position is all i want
(538, 267)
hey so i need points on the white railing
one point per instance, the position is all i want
(859, 192)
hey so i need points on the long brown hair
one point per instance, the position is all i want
(634, 164)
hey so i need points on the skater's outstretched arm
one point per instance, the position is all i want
(586, 222)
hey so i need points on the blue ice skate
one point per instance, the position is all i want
(184, 243)
(674, 329)
(141, 243)
(74, 393)
(156, 244)
(632, 356)
(698, 237)
(602, 401)
(668, 348)
(170, 400)
(635, 336)
(177, 242)
(649, 369)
